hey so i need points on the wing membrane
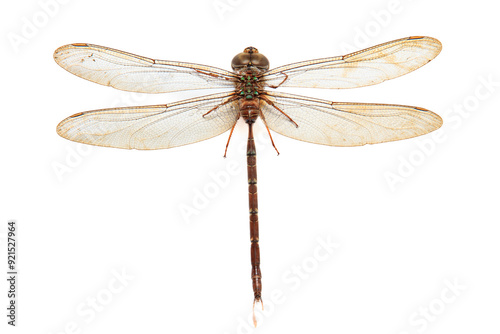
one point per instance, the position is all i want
(345, 124)
(153, 127)
(129, 72)
(363, 68)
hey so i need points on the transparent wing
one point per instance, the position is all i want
(129, 72)
(345, 124)
(363, 68)
(153, 127)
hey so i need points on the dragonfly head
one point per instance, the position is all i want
(250, 57)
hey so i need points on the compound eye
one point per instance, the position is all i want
(240, 60)
(260, 61)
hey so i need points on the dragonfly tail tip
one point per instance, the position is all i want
(253, 310)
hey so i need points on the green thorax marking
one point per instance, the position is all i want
(248, 86)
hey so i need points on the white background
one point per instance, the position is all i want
(105, 211)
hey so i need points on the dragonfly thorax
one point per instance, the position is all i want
(249, 86)
(249, 89)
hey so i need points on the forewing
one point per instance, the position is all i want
(363, 68)
(153, 127)
(345, 124)
(129, 72)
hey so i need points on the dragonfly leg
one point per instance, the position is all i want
(263, 97)
(272, 141)
(231, 99)
(213, 74)
(285, 79)
(230, 134)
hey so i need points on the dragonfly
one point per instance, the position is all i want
(250, 93)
